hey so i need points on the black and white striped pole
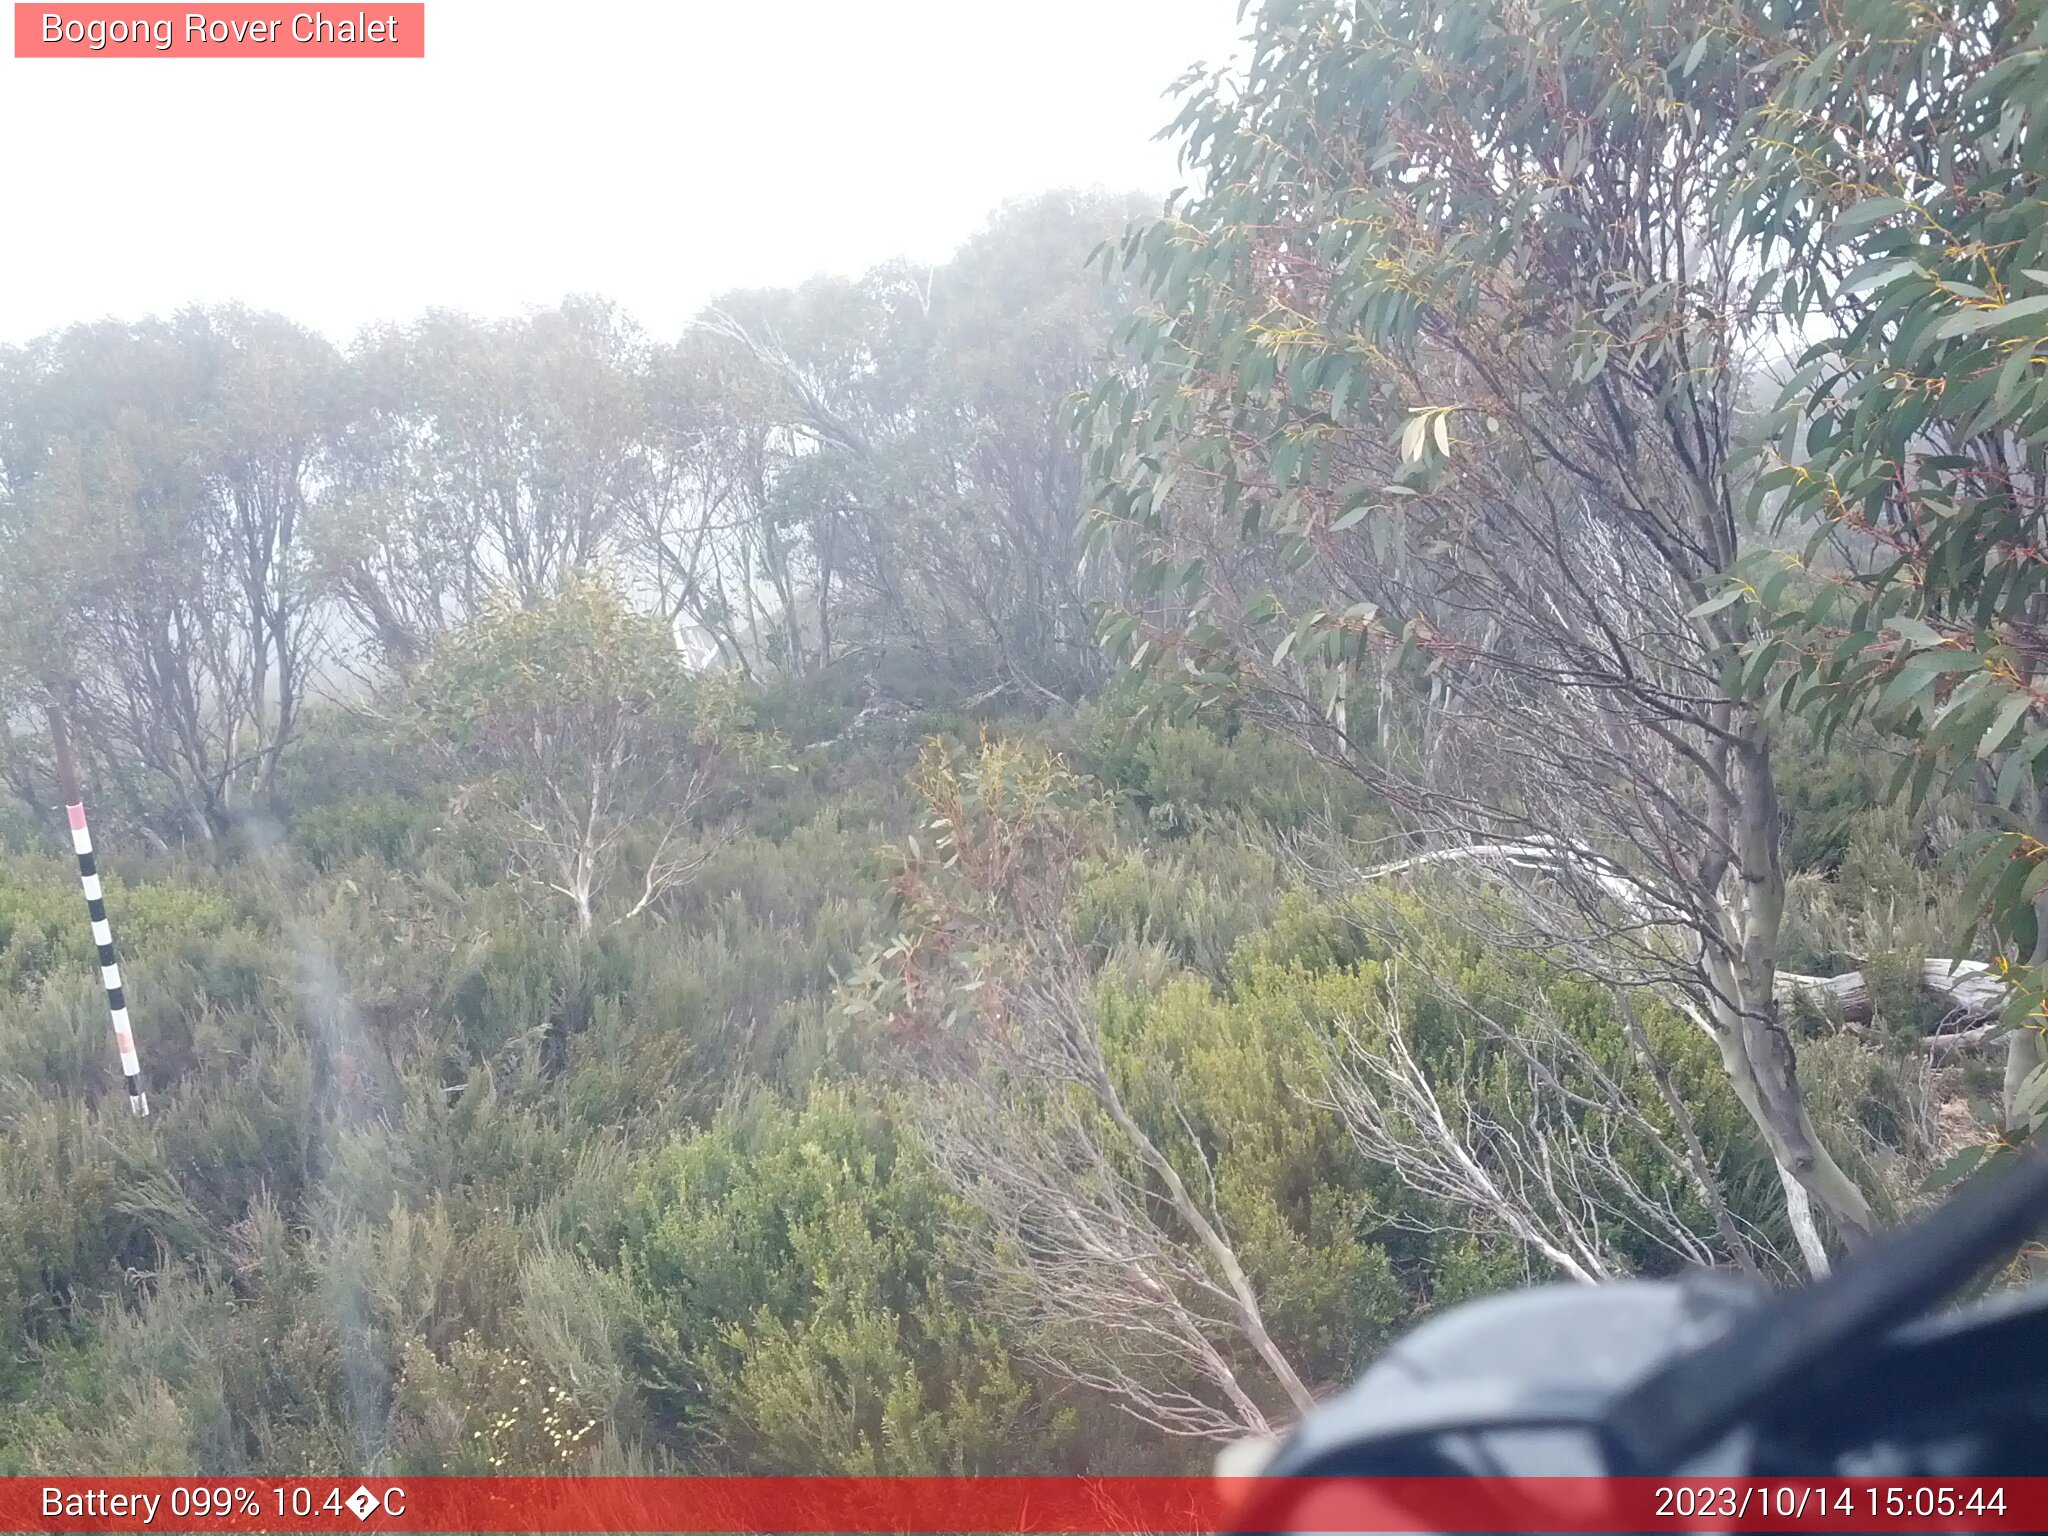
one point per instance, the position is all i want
(96, 908)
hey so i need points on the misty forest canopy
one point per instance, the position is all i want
(269, 515)
(1014, 866)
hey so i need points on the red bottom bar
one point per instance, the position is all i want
(914, 1506)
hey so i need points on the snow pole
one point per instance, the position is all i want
(96, 909)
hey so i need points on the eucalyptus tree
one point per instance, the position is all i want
(689, 529)
(1894, 196)
(1426, 456)
(982, 479)
(580, 740)
(772, 370)
(884, 462)
(158, 482)
(482, 457)
(274, 417)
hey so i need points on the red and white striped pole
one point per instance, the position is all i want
(96, 909)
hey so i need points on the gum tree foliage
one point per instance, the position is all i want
(583, 740)
(883, 461)
(155, 577)
(1427, 459)
(481, 457)
(982, 489)
(851, 469)
(1894, 199)
(705, 536)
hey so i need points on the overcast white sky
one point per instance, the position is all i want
(657, 153)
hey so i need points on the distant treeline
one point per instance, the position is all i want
(208, 520)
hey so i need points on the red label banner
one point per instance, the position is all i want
(232, 31)
(916, 1505)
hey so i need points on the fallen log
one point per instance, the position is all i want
(1973, 993)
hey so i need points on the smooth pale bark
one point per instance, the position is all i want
(1742, 999)
(1245, 1301)
(1746, 1000)
(1805, 1232)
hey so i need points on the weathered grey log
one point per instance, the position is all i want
(1947, 1047)
(1974, 993)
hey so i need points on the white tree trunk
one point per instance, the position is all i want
(1799, 1207)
